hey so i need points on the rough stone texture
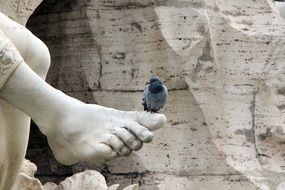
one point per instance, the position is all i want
(26, 179)
(28, 168)
(50, 186)
(25, 182)
(87, 180)
(223, 62)
(19, 10)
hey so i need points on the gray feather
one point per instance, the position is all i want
(154, 101)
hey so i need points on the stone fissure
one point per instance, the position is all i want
(253, 107)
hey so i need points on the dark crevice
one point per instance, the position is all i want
(100, 66)
(122, 90)
(252, 109)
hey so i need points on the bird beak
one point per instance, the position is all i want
(147, 83)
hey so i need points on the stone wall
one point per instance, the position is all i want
(19, 10)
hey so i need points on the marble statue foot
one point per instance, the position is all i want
(95, 134)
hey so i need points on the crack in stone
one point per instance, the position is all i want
(129, 5)
(252, 109)
(100, 66)
(175, 174)
(131, 91)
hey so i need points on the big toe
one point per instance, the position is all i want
(152, 121)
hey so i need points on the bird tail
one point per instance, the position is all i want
(144, 106)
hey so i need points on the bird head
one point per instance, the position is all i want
(155, 85)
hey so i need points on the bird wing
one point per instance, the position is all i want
(166, 93)
(166, 90)
(145, 92)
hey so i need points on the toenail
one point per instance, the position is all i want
(125, 150)
(135, 144)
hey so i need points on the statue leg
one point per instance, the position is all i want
(14, 124)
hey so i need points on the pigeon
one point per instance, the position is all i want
(154, 95)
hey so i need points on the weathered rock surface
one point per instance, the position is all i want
(49, 186)
(19, 10)
(26, 179)
(87, 180)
